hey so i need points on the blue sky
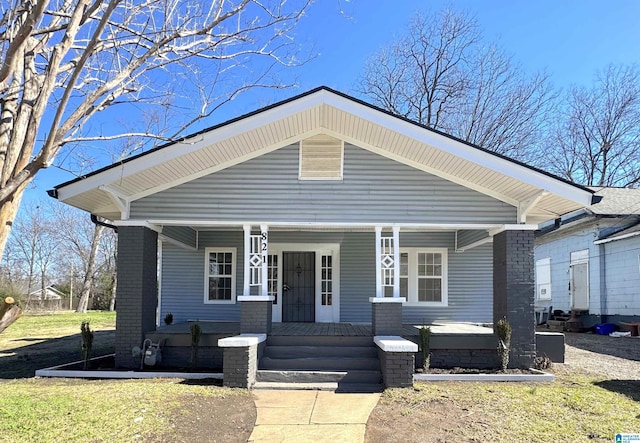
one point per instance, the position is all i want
(570, 40)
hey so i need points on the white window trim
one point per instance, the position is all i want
(234, 255)
(412, 289)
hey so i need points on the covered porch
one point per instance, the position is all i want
(452, 344)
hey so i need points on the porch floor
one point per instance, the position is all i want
(324, 329)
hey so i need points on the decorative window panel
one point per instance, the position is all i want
(255, 261)
(220, 276)
(327, 280)
(387, 261)
(321, 158)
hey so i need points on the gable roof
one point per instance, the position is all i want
(108, 191)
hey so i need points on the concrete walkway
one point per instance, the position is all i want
(317, 416)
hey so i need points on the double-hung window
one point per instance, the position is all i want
(220, 275)
(423, 276)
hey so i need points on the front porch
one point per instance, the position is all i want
(321, 329)
(452, 344)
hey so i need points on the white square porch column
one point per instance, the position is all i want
(264, 248)
(255, 310)
(396, 261)
(378, 261)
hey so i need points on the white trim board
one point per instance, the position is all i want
(157, 223)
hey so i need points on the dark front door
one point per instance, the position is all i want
(298, 286)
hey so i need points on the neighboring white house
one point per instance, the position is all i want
(50, 293)
(589, 259)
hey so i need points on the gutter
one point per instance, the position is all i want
(620, 237)
(94, 219)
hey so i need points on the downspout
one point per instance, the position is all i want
(603, 283)
(94, 219)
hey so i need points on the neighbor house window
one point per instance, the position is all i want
(543, 279)
(423, 276)
(220, 275)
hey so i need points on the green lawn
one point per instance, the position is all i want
(37, 341)
(43, 326)
(72, 410)
(578, 407)
(77, 410)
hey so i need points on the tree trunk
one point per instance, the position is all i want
(112, 303)
(91, 267)
(8, 313)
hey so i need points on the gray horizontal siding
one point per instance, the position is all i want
(470, 277)
(183, 280)
(374, 189)
(183, 234)
(466, 237)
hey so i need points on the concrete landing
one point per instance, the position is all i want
(318, 416)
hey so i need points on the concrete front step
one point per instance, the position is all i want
(321, 351)
(320, 363)
(369, 377)
(327, 386)
(319, 340)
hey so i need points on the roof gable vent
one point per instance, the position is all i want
(321, 158)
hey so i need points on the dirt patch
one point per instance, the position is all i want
(476, 371)
(616, 358)
(475, 412)
(435, 421)
(218, 419)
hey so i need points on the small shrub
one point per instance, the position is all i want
(542, 363)
(503, 329)
(168, 319)
(425, 337)
(196, 332)
(87, 343)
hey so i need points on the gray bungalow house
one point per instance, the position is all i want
(324, 211)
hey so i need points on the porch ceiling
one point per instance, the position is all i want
(109, 191)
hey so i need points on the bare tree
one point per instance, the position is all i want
(34, 247)
(81, 240)
(63, 62)
(597, 139)
(444, 75)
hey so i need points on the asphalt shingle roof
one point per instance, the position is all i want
(616, 201)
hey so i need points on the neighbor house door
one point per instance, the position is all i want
(298, 286)
(580, 286)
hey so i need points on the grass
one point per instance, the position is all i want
(43, 326)
(43, 410)
(576, 408)
(37, 341)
